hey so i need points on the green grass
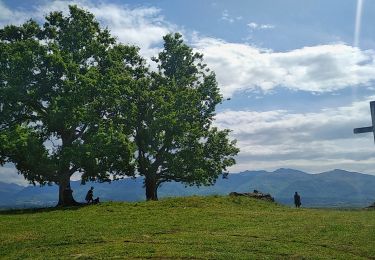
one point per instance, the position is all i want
(193, 228)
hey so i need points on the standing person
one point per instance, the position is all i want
(297, 200)
(90, 196)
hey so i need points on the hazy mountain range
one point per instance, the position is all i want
(337, 188)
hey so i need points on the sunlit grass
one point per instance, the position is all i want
(194, 227)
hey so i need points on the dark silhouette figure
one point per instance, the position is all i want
(68, 192)
(90, 196)
(96, 201)
(297, 200)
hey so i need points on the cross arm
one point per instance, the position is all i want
(361, 130)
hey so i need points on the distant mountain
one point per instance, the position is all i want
(337, 188)
(7, 192)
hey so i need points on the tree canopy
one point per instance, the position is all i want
(61, 85)
(173, 133)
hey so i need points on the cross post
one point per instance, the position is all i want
(368, 129)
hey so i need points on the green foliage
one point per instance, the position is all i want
(25, 147)
(173, 128)
(196, 227)
(61, 85)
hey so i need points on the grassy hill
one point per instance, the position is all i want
(192, 227)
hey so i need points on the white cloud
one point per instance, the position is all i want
(141, 26)
(266, 26)
(254, 25)
(9, 174)
(321, 68)
(228, 18)
(9, 16)
(310, 141)
(144, 27)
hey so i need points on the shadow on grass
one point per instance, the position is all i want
(40, 210)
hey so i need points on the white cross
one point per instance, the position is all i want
(368, 128)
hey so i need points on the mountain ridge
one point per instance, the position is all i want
(335, 188)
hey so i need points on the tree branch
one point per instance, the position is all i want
(18, 120)
(81, 132)
(73, 170)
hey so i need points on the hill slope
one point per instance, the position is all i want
(193, 227)
(336, 188)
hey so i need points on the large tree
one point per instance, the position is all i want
(174, 112)
(61, 89)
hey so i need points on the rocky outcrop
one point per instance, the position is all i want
(256, 195)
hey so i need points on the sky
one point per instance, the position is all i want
(299, 74)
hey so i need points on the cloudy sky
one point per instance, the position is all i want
(300, 74)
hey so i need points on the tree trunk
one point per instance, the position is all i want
(151, 188)
(66, 193)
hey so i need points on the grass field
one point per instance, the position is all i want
(193, 228)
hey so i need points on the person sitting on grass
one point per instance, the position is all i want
(90, 196)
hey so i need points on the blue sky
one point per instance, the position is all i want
(298, 85)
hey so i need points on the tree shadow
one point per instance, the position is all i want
(41, 210)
